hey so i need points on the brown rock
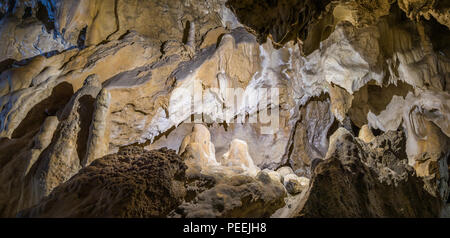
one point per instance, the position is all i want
(415, 9)
(310, 140)
(283, 20)
(232, 197)
(355, 181)
(131, 183)
(62, 158)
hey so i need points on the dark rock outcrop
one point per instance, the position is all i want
(131, 183)
(367, 180)
(282, 20)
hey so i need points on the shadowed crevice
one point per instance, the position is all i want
(85, 111)
(50, 106)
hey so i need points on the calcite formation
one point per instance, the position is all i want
(264, 108)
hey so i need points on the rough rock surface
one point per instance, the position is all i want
(236, 196)
(367, 180)
(131, 183)
(81, 79)
(26, 30)
(282, 20)
(294, 184)
(310, 140)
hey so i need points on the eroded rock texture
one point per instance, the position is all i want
(367, 180)
(237, 196)
(79, 80)
(131, 183)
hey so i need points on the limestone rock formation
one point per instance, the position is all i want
(367, 180)
(437, 9)
(282, 20)
(198, 149)
(366, 134)
(310, 140)
(238, 156)
(283, 171)
(236, 196)
(294, 184)
(26, 30)
(250, 94)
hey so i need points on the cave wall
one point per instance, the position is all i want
(81, 79)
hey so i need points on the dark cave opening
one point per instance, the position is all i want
(6, 64)
(81, 42)
(28, 13)
(283, 20)
(438, 35)
(375, 98)
(45, 15)
(376, 132)
(355, 128)
(50, 106)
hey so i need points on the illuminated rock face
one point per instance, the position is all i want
(198, 149)
(238, 156)
(79, 80)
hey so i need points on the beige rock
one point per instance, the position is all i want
(238, 196)
(266, 150)
(36, 72)
(150, 111)
(212, 37)
(22, 39)
(425, 118)
(19, 156)
(111, 19)
(101, 61)
(361, 13)
(97, 144)
(341, 102)
(62, 158)
(283, 171)
(266, 176)
(238, 156)
(43, 139)
(341, 132)
(433, 168)
(365, 134)
(198, 146)
(170, 106)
